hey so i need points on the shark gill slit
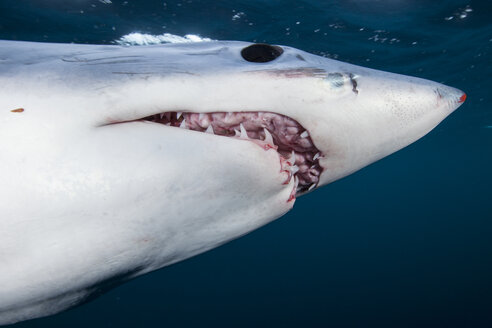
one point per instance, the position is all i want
(299, 156)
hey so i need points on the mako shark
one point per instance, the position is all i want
(117, 161)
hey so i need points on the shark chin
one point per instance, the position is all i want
(118, 161)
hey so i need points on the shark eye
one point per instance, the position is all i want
(261, 53)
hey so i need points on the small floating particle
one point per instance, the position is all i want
(17, 110)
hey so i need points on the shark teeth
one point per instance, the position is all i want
(268, 137)
(210, 129)
(178, 115)
(292, 159)
(294, 169)
(244, 134)
(305, 134)
(316, 156)
(183, 124)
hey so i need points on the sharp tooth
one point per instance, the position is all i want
(268, 137)
(294, 169)
(178, 115)
(161, 115)
(311, 187)
(200, 116)
(292, 159)
(183, 124)
(210, 129)
(237, 133)
(244, 134)
(316, 156)
(305, 134)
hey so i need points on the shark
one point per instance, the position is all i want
(120, 160)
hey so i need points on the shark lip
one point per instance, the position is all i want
(299, 157)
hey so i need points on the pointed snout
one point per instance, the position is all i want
(462, 98)
(408, 106)
(380, 114)
(448, 96)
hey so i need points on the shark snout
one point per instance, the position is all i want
(462, 98)
(388, 112)
(450, 97)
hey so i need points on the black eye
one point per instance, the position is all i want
(261, 52)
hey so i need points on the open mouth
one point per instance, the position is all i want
(299, 156)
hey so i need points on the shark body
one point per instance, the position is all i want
(117, 161)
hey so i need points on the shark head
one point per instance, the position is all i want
(326, 118)
(117, 161)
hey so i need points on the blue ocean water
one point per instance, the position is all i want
(405, 242)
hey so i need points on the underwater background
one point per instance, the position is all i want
(405, 242)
